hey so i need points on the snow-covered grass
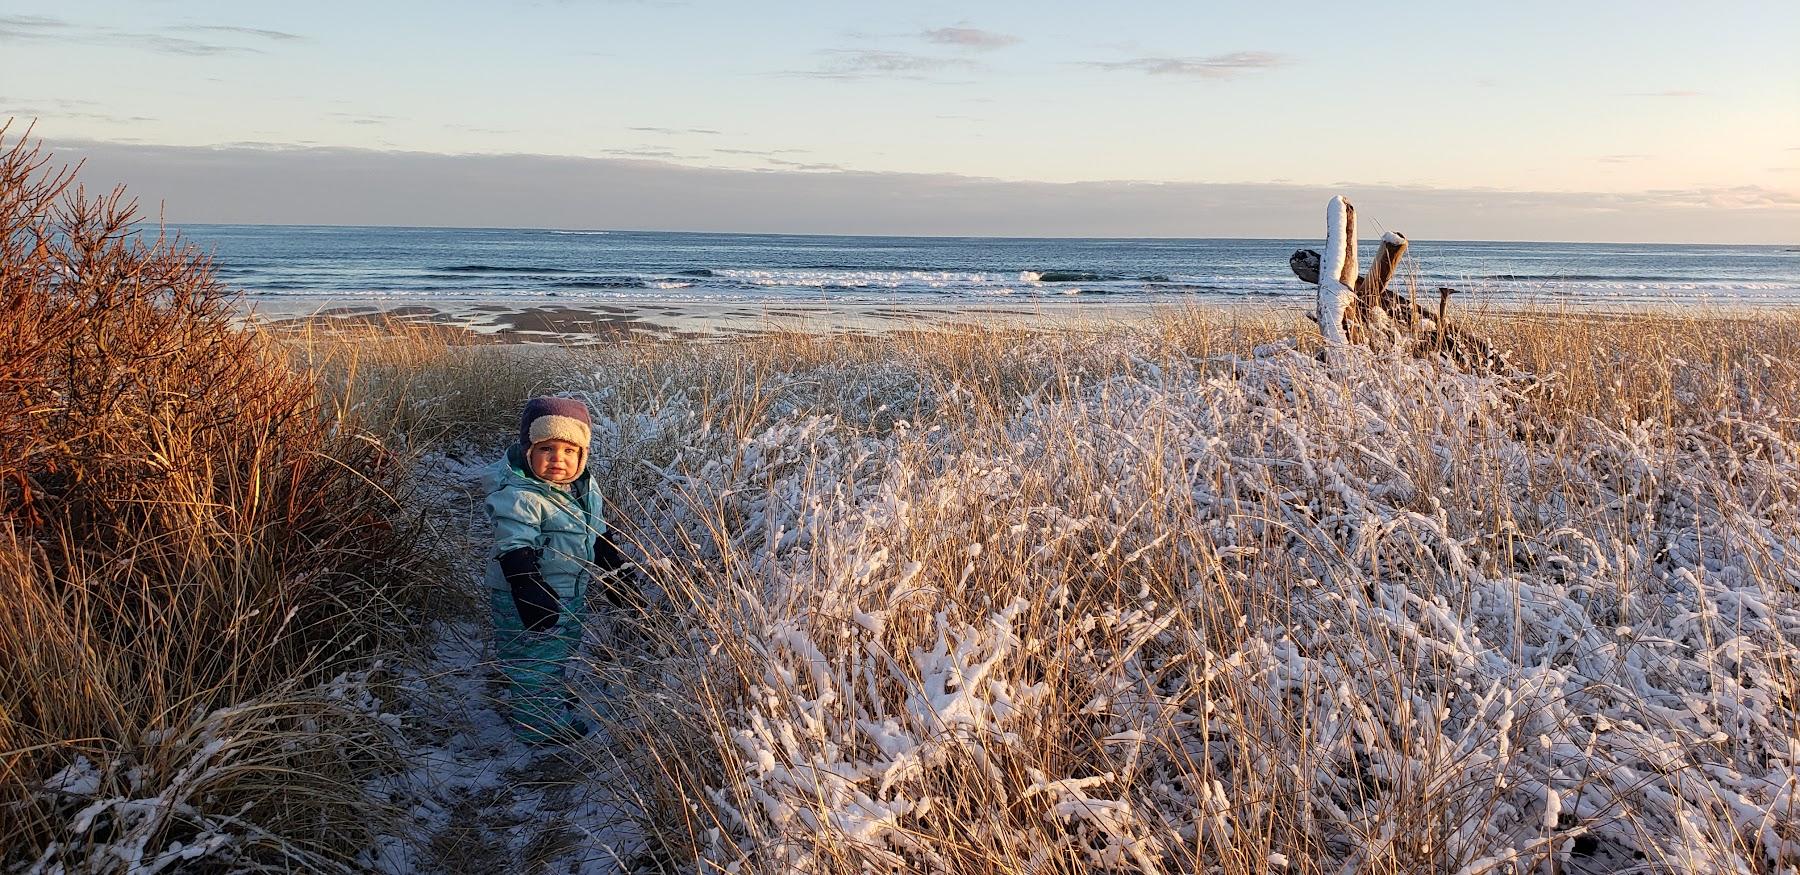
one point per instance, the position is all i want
(1188, 599)
(1172, 597)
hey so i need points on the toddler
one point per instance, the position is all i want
(549, 541)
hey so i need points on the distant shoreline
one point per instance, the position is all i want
(497, 321)
(563, 323)
(635, 278)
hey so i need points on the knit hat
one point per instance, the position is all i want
(563, 419)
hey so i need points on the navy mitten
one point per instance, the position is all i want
(537, 604)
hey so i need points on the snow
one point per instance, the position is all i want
(148, 808)
(1423, 644)
(1390, 607)
(1340, 257)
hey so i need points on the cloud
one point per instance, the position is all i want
(57, 101)
(31, 27)
(882, 64)
(1730, 198)
(761, 152)
(1210, 67)
(273, 35)
(1662, 94)
(969, 38)
(647, 152)
(363, 118)
(1620, 159)
(279, 183)
(176, 45)
(674, 131)
(808, 166)
(64, 108)
(38, 112)
(38, 28)
(266, 146)
(874, 63)
(640, 153)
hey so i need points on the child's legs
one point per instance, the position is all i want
(534, 663)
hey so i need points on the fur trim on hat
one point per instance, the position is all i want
(561, 428)
(561, 408)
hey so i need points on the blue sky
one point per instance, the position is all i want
(1619, 103)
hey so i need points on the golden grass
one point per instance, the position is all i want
(713, 492)
(193, 544)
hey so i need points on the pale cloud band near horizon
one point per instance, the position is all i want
(279, 184)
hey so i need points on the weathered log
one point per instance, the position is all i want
(1387, 262)
(1363, 310)
(1337, 275)
(1305, 265)
(1378, 316)
(1347, 273)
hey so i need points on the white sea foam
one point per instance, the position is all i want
(866, 279)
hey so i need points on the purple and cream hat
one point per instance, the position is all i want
(564, 419)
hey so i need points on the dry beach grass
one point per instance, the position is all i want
(198, 561)
(1167, 597)
(1147, 601)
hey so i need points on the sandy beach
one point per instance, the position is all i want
(591, 323)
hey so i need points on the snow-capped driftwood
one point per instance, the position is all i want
(1362, 309)
(1338, 272)
(1387, 261)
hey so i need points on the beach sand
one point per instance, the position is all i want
(494, 320)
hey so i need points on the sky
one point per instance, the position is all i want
(1637, 121)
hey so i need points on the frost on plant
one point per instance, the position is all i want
(1189, 612)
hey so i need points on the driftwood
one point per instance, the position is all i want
(1387, 261)
(1305, 265)
(1362, 309)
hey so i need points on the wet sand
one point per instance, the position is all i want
(490, 320)
(498, 321)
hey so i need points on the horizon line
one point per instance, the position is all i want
(1790, 246)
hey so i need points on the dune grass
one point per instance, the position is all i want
(1181, 598)
(1178, 596)
(200, 558)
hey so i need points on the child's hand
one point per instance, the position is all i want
(536, 603)
(607, 555)
(622, 586)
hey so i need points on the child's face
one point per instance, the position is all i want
(554, 460)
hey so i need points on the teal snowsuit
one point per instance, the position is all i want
(561, 526)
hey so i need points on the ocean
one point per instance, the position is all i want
(325, 265)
